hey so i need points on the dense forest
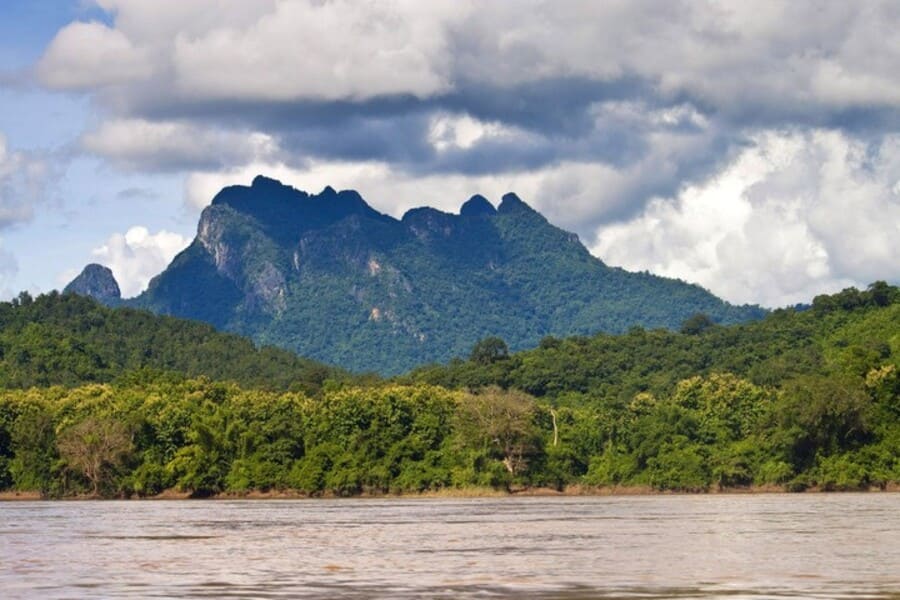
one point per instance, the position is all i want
(66, 339)
(802, 399)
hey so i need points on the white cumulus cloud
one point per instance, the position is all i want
(462, 131)
(147, 145)
(259, 50)
(138, 256)
(796, 215)
(392, 191)
(90, 55)
(839, 54)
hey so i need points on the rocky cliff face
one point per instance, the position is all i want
(97, 282)
(328, 276)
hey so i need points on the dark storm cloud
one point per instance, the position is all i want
(556, 107)
(554, 120)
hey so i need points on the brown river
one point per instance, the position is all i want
(640, 547)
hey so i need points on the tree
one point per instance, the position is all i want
(501, 421)
(881, 294)
(34, 453)
(489, 350)
(93, 447)
(696, 324)
(824, 415)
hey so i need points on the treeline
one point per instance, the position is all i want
(805, 398)
(841, 336)
(205, 438)
(69, 340)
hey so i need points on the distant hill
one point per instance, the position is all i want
(329, 277)
(98, 282)
(843, 336)
(67, 339)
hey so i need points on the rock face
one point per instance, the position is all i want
(97, 282)
(331, 278)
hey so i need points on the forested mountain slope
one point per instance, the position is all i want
(841, 335)
(330, 278)
(66, 339)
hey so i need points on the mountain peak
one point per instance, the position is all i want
(328, 276)
(512, 203)
(476, 206)
(261, 181)
(95, 281)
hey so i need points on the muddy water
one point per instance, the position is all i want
(755, 546)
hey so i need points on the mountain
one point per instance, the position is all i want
(331, 278)
(98, 282)
(67, 339)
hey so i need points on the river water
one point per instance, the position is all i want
(711, 546)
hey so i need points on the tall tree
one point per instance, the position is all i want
(94, 447)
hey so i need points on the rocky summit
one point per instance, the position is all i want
(98, 282)
(331, 278)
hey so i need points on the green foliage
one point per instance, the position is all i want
(785, 345)
(800, 398)
(501, 425)
(94, 448)
(696, 324)
(70, 340)
(488, 351)
(679, 466)
(823, 415)
(34, 464)
(658, 409)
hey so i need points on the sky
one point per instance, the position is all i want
(750, 147)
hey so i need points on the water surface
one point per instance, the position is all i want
(714, 546)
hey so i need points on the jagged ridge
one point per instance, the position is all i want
(98, 282)
(328, 276)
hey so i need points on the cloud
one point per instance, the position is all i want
(798, 214)
(273, 51)
(9, 267)
(310, 74)
(800, 53)
(739, 134)
(571, 81)
(85, 56)
(448, 132)
(24, 178)
(138, 255)
(137, 193)
(329, 51)
(595, 193)
(139, 144)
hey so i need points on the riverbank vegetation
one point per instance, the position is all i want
(803, 399)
